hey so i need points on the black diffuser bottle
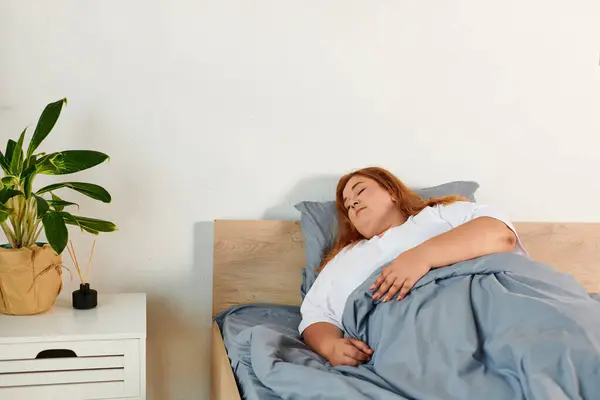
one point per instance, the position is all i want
(85, 298)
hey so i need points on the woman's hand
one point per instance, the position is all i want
(346, 351)
(400, 276)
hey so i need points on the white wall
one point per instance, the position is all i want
(236, 109)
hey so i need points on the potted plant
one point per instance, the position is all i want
(30, 271)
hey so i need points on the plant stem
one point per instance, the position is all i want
(34, 223)
(28, 223)
(26, 233)
(37, 230)
(15, 220)
(24, 204)
(10, 236)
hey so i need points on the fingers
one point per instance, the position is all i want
(405, 289)
(356, 354)
(349, 361)
(385, 286)
(362, 346)
(395, 288)
(380, 279)
(352, 352)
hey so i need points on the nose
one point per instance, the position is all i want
(354, 203)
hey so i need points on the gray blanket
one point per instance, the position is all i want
(498, 327)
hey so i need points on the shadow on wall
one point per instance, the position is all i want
(179, 328)
(176, 353)
(157, 360)
(315, 188)
(201, 285)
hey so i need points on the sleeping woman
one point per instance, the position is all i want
(383, 222)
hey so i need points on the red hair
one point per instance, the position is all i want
(408, 202)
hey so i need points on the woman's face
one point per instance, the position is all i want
(371, 209)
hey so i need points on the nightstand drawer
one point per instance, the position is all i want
(71, 370)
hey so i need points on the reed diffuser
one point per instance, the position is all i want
(84, 298)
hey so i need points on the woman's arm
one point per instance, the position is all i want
(478, 237)
(328, 341)
(319, 336)
(321, 330)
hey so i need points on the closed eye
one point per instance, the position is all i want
(358, 194)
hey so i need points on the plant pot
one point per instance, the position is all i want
(30, 279)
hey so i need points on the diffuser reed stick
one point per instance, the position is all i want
(73, 255)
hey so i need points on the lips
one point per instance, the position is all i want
(359, 211)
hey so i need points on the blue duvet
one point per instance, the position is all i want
(497, 327)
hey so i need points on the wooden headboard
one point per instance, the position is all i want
(261, 261)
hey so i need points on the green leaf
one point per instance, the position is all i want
(69, 161)
(5, 212)
(8, 193)
(30, 162)
(59, 204)
(3, 164)
(16, 162)
(28, 177)
(4, 216)
(90, 225)
(10, 148)
(8, 180)
(45, 124)
(96, 224)
(56, 231)
(42, 206)
(71, 220)
(89, 189)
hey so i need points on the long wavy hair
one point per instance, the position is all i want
(408, 202)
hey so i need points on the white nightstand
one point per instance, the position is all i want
(69, 354)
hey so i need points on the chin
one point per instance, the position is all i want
(366, 232)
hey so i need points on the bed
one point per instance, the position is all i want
(257, 267)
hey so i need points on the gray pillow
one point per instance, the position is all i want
(319, 224)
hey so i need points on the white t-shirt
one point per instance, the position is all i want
(327, 297)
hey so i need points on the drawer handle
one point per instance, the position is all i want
(56, 353)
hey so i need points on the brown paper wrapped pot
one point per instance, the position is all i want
(30, 279)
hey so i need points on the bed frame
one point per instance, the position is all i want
(261, 261)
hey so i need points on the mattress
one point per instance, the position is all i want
(236, 323)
